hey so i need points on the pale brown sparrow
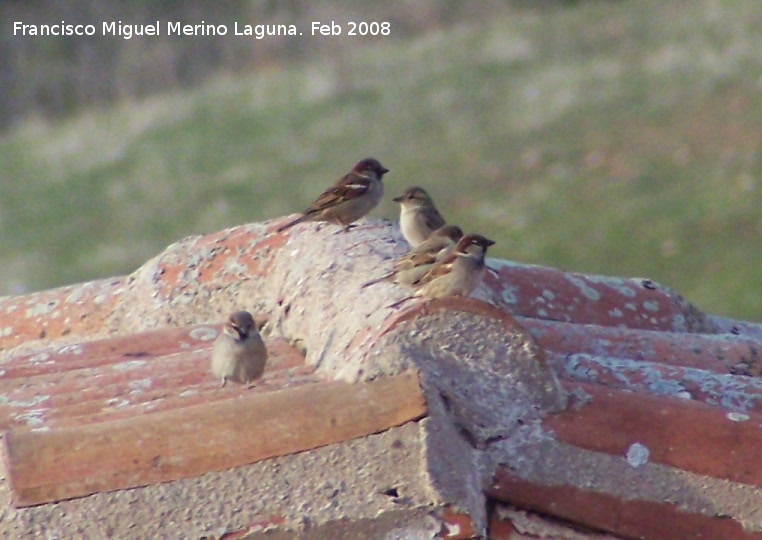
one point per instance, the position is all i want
(415, 264)
(349, 199)
(239, 353)
(458, 273)
(419, 216)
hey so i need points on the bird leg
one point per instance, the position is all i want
(398, 303)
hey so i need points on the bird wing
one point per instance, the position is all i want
(440, 268)
(348, 188)
(434, 219)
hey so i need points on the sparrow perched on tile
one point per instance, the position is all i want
(412, 267)
(419, 216)
(458, 273)
(239, 353)
(349, 199)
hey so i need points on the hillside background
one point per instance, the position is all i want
(611, 137)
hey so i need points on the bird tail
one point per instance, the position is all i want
(291, 223)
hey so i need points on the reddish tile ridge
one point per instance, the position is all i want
(718, 353)
(75, 309)
(541, 292)
(633, 518)
(611, 421)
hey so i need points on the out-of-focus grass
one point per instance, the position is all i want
(609, 137)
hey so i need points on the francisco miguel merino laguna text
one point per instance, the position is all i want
(127, 31)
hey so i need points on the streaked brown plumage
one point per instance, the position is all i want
(413, 266)
(458, 273)
(349, 199)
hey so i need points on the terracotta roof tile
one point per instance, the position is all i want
(106, 385)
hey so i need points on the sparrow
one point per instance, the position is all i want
(458, 273)
(239, 353)
(419, 216)
(349, 199)
(416, 263)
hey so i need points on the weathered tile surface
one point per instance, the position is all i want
(658, 438)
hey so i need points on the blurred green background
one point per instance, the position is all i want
(610, 137)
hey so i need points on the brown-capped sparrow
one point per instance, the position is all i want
(349, 199)
(415, 264)
(419, 216)
(239, 354)
(458, 273)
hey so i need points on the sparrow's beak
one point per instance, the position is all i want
(489, 242)
(398, 199)
(383, 170)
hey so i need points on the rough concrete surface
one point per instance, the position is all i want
(483, 377)
(363, 479)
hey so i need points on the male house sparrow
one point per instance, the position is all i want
(239, 353)
(419, 216)
(412, 267)
(458, 273)
(350, 198)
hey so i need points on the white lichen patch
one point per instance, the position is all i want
(621, 286)
(30, 418)
(74, 349)
(637, 455)
(33, 402)
(651, 305)
(587, 291)
(678, 323)
(139, 386)
(616, 313)
(235, 267)
(41, 308)
(129, 365)
(203, 333)
(7, 331)
(75, 296)
(117, 403)
(508, 295)
(39, 358)
(737, 417)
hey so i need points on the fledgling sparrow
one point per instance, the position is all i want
(415, 264)
(350, 198)
(419, 216)
(239, 354)
(458, 273)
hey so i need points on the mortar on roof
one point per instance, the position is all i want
(483, 377)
